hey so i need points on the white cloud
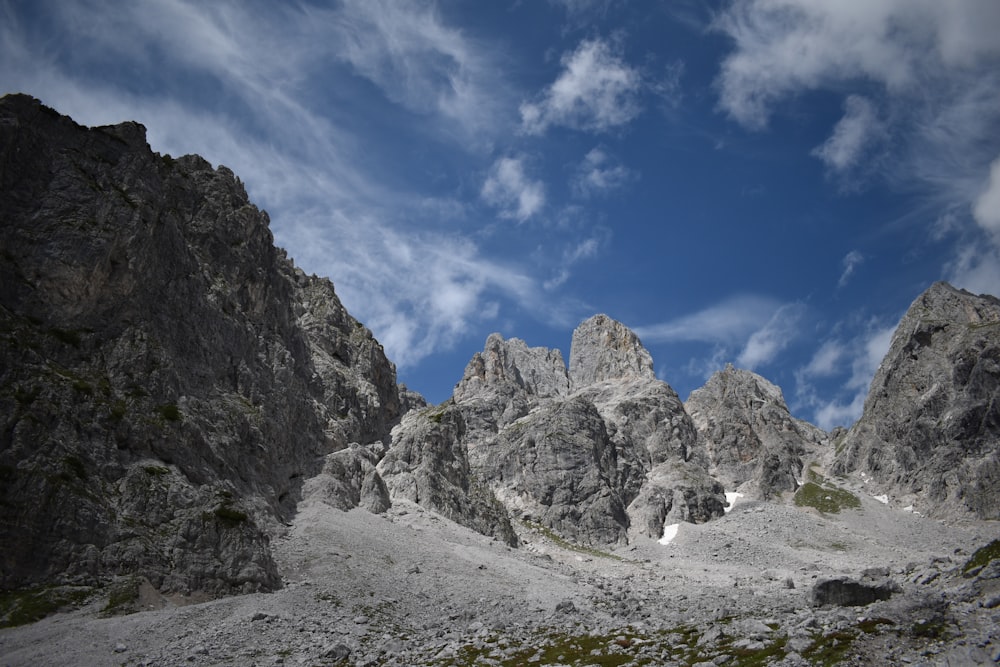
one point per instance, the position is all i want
(732, 321)
(596, 91)
(766, 343)
(854, 360)
(786, 46)
(986, 210)
(417, 60)
(508, 188)
(585, 249)
(975, 268)
(850, 262)
(852, 137)
(826, 360)
(438, 288)
(921, 81)
(598, 173)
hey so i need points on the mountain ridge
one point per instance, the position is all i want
(175, 394)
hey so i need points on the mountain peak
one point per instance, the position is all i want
(605, 349)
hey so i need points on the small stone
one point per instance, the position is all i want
(360, 620)
(259, 616)
(120, 648)
(337, 652)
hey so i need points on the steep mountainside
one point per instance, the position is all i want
(754, 444)
(168, 378)
(930, 431)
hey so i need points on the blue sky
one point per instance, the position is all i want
(763, 182)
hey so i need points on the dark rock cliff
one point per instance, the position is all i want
(168, 378)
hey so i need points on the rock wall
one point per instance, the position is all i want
(930, 430)
(754, 444)
(168, 378)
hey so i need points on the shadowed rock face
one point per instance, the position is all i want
(752, 440)
(168, 378)
(931, 423)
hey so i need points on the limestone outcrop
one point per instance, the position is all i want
(754, 445)
(930, 431)
(572, 449)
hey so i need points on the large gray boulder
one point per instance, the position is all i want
(168, 378)
(930, 430)
(752, 441)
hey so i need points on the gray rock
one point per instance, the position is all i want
(428, 464)
(604, 349)
(752, 440)
(931, 422)
(170, 378)
(846, 592)
(558, 466)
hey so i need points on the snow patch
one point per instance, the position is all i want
(669, 533)
(884, 498)
(731, 498)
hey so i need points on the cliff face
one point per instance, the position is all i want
(168, 378)
(930, 431)
(753, 442)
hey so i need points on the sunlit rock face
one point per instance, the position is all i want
(753, 442)
(573, 449)
(930, 430)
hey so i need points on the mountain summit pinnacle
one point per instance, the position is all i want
(604, 349)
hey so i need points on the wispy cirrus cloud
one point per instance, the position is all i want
(767, 342)
(856, 136)
(850, 262)
(921, 81)
(597, 91)
(729, 322)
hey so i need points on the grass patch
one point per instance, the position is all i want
(826, 499)
(156, 471)
(170, 412)
(122, 597)
(33, 604)
(829, 649)
(983, 556)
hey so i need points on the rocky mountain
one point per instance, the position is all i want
(930, 432)
(168, 378)
(754, 444)
(595, 452)
(183, 409)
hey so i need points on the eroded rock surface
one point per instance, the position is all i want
(168, 378)
(753, 443)
(930, 431)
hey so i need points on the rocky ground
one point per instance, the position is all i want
(410, 588)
